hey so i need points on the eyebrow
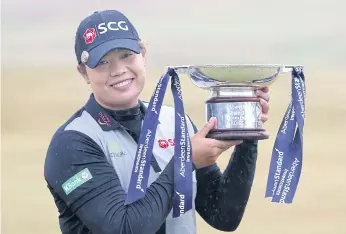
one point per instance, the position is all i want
(116, 50)
(121, 49)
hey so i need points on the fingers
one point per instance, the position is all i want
(262, 94)
(207, 127)
(264, 117)
(265, 106)
(263, 89)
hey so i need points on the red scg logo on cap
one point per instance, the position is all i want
(89, 35)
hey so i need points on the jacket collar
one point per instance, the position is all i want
(101, 115)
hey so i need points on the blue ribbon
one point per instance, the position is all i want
(287, 155)
(182, 199)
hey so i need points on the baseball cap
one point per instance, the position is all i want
(102, 32)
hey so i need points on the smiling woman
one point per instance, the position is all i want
(90, 157)
(121, 72)
(115, 59)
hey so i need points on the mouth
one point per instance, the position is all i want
(122, 84)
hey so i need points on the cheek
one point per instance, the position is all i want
(141, 75)
(140, 72)
(97, 81)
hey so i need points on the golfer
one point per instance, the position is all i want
(90, 157)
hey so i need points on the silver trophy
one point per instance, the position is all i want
(232, 97)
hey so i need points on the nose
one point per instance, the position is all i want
(117, 69)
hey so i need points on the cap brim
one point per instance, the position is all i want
(97, 53)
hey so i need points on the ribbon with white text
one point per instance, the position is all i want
(182, 199)
(287, 155)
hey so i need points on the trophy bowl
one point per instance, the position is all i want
(232, 99)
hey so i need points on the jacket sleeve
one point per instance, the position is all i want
(76, 169)
(222, 197)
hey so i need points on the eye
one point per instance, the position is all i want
(102, 62)
(126, 55)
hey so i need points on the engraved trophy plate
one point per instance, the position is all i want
(235, 115)
(232, 97)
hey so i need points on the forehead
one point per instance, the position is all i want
(117, 51)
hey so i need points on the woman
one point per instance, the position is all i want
(90, 158)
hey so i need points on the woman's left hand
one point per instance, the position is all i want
(263, 94)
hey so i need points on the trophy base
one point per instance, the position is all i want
(255, 134)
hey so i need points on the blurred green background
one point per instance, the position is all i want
(41, 88)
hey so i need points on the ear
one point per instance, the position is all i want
(82, 70)
(144, 54)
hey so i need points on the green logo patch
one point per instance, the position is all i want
(76, 181)
(114, 150)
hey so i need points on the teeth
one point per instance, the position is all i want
(121, 84)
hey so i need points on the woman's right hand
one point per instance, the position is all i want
(205, 151)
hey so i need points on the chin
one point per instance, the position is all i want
(124, 101)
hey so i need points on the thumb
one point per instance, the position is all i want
(207, 127)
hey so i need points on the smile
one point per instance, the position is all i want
(122, 83)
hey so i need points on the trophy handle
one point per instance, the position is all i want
(289, 68)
